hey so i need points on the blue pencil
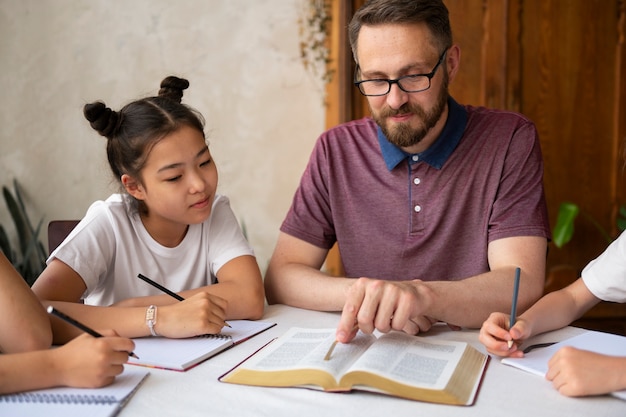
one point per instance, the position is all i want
(514, 303)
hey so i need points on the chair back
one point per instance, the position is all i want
(58, 231)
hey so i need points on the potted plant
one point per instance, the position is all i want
(29, 258)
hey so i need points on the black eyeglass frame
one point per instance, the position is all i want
(397, 81)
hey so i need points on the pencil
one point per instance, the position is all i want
(332, 346)
(514, 303)
(81, 326)
(161, 287)
(165, 290)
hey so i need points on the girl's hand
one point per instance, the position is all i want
(90, 362)
(199, 314)
(496, 336)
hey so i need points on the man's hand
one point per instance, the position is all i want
(373, 304)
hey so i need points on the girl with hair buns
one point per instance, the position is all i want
(166, 223)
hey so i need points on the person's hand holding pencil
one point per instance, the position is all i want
(501, 333)
(199, 314)
(92, 359)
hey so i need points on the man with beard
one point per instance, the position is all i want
(433, 204)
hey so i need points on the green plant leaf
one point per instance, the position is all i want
(30, 258)
(19, 220)
(564, 228)
(5, 245)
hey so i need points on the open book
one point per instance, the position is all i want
(397, 364)
(182, 354)
(80, 402)
(536, 361)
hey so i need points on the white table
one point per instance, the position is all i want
(505, 391)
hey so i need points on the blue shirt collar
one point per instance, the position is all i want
(437, 154)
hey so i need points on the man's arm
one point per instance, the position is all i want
(412, 306)
(293, 277)
(470, 301)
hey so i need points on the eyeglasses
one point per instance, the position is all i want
(413, 83)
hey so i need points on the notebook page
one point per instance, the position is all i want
(177, 354)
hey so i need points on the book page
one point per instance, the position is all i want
(305, 348)
(412, 360)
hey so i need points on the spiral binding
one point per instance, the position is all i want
(216, 336)
(30, 397)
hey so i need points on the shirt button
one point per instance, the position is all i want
(417, 209)
(415, 158)
(416, 181)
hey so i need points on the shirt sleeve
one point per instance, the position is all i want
(605, 276)
(227, 240)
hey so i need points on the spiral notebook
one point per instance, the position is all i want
(69, 402)
(183, 354)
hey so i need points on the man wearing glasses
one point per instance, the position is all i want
(433, 204)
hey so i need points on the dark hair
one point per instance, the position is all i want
(138, 126)
(377, 12)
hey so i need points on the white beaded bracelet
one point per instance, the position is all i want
(151, 319)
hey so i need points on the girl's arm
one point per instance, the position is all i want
(25, 325)
(60, 286)
(239, 284)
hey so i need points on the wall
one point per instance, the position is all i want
(263, 110)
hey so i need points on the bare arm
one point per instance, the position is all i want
(294, 277)
(84, 362)
(60, 286)
(25, 325)
(470, 301)
(553, 311)
(239, 283)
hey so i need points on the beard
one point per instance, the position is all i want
(404, 135)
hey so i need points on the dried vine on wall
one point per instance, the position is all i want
(314, 30)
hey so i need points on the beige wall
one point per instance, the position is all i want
(263, 110)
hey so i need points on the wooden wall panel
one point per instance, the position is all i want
(569, 78)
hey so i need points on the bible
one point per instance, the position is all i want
(418, 368)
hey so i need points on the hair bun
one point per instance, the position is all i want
(101, 118)
(172, 88)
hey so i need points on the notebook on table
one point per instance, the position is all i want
(536, 362)
(183, 354)
(69, 402)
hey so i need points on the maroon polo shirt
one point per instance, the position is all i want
(427, 216)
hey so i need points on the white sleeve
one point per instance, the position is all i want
(226, 237)
(605, 276)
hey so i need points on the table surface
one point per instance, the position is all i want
(505, 391)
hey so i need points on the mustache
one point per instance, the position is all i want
(404, 109)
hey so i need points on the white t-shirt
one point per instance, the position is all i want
(605, 276)
(109, 247)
